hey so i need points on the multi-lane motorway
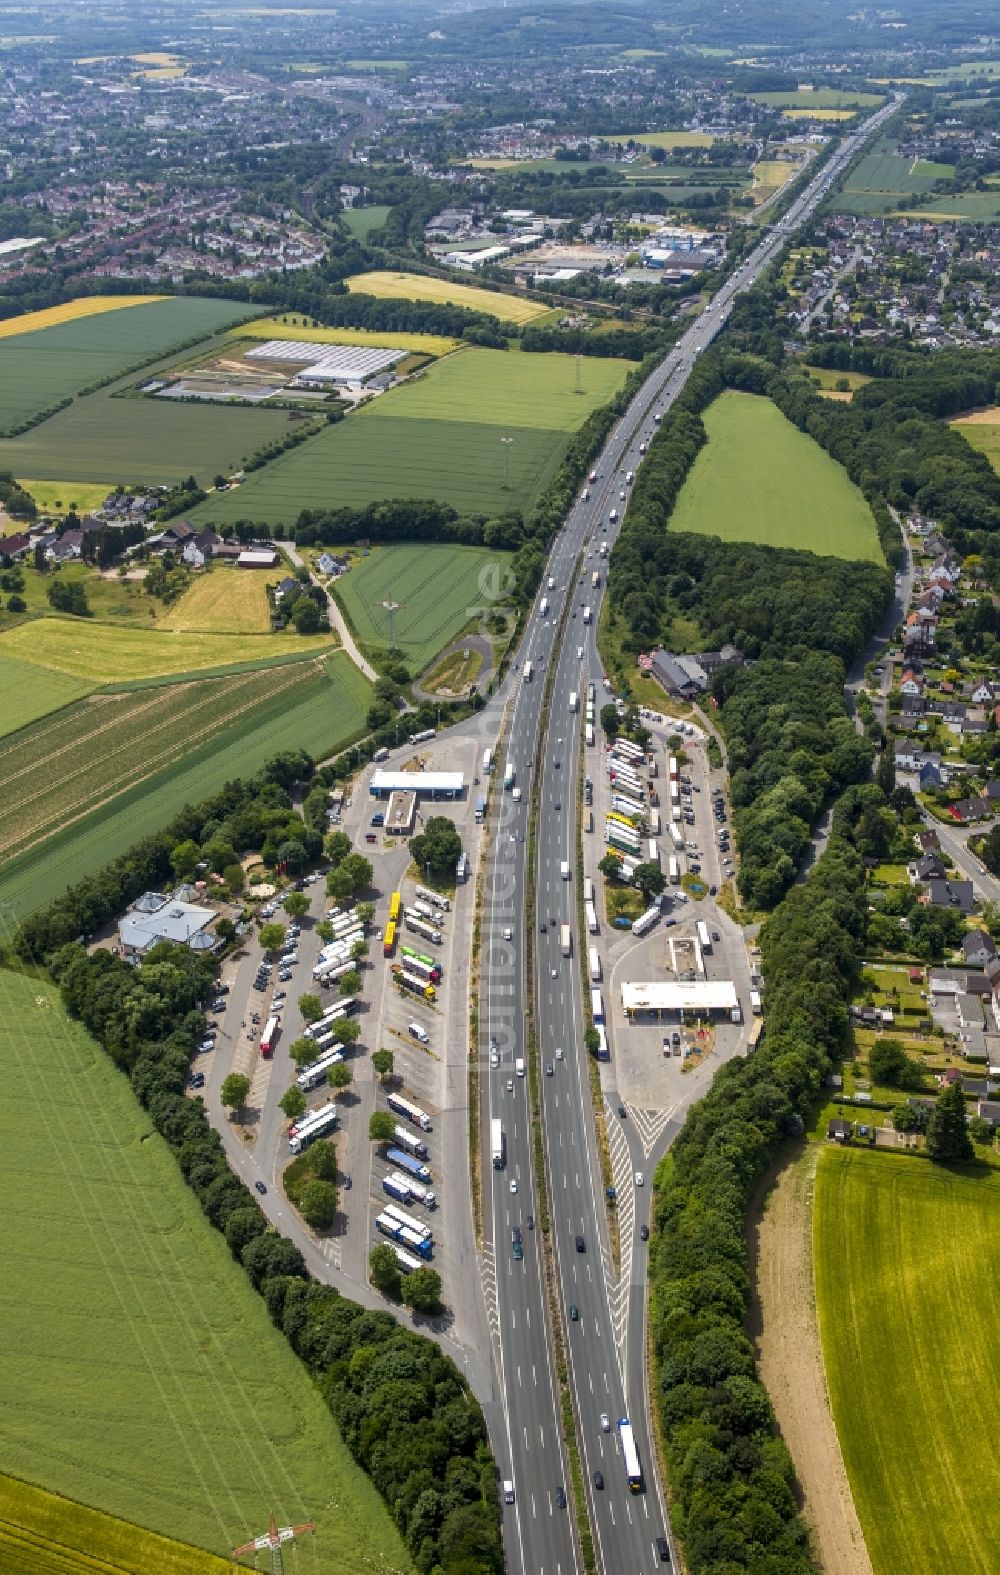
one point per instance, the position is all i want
(605, 1359)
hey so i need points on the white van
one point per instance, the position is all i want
(508, 1491)
(419, 1034)
(519, 1066)
(564, 870)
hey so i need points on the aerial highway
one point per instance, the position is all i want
(606, 1362)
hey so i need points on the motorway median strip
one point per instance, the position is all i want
(569, 1418)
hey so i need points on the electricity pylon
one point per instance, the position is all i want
(271, 1542)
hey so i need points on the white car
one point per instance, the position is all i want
(640, 1180)
(513, 1183)
(579, 653)
(559, 1055)
(494, 1058)
(605, 1422)
(508, 933)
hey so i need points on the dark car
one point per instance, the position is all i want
(581, 1245)
(560, 1495)
(222, 989)
(557, 805)
(370, 836)
(599, 1479)
(517, 1250)
(260, 1187)
(574, 1313)
(643, 1232)
(663, 1549)
(622, 1111)
(543, 927)
(530, 1222)
(198, 1081)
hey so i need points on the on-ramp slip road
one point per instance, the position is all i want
(606, 1353)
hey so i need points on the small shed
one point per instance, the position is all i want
(839, 1130)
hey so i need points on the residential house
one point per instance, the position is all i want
(978, 948)
(972, 809)
(910, 758)
(930, 775)
(951, 894)
(16, 546)
(985, 693)
(65, 547)
(927, 841)
(839, 1130)
(331, 563)
(199, 550)
(989, 1110)
(928, 867)
(911, 683)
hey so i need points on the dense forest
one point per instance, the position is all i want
(731, 1477)
(404, 1410)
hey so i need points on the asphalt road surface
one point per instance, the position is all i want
(606, 1350)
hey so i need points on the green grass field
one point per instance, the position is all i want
(905, 1256)
(442, 436)
(983, 435)
(883, 181)
(318, 713)
(819, 98)
(38, 369)
(361, 221)
(439, 589)
(506, 389)
(55, 497)
(31, 692)
(149, 441)
(140, 1372)
(758, 478)
(965, 207)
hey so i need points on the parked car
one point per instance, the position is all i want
(197, 1081)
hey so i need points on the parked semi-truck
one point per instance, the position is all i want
(591, 913)
(594, 960)
(312, 1126)
(418, 1192)
(408, 1162)
(422, 927)
(496, 1143)
(406, 1107)
(405, 979)
(645, 921)
(704, 936)
(409, 1140)
(425, 894)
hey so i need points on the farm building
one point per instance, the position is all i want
(154, 917)
(257, 558)
(422, 784)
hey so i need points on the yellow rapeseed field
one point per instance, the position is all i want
(69, 311)
(421, 287)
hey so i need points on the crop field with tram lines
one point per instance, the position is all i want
(99, 776)
(128, 1326)
(483, 430)
(41, 366)
(107, 654)
(439, 590)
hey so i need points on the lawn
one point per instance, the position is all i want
(904, 1257)
(108, 597)
(460, 432)
(72, 312)
(140, 1372)
(421, 287)
(107, 655)
(43, 1534)
(222, 600)
(44, 365)
(30, 691)
(439, 590)
(141, 441)
(319, 714)
(361, 221)
(966, 207)
(828, 377)
(758, 478)
(294, 328)
(983, 434)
